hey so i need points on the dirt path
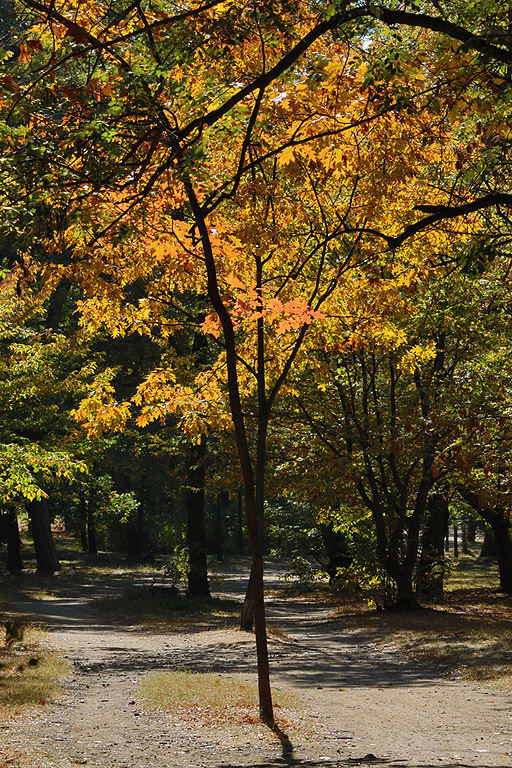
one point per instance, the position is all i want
(363, 699)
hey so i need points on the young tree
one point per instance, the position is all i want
(170, 148)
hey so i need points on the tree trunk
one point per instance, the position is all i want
(431, 565)
(455, 542)
(499, 521)
(504, 546)
(46, 554)
(219, 529)
(91, 531)
(83, 522)
(195, 506)
(405, 597)
(14, 560)
(489, 548)
(465, 547)
(253, 480)
(336, 549)
(241, 547)
(247, 615)
(501, 529)
(472, 525)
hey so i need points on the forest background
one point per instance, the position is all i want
(255, 256)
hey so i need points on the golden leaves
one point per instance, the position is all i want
(199, 407)
(101, 412)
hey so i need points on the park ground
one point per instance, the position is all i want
(149, 681)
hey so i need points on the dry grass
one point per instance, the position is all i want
(220, 702)
(29, 674)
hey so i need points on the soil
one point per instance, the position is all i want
(365, 703)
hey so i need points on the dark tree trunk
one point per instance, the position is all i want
(83, 522)
(219, 529)
(195, 505)
(241, 546)
(247, 615)
(46, 554)
(14, 561)
(472, 526)
(431, 565)
(502, 545)
(501, 528)
(465, 547)
(136, 535)
(499, 521)
(336, 549)
(405, 596)
(91, 531)
(489, 548)
(455, 542)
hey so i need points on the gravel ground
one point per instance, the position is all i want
(365, 704)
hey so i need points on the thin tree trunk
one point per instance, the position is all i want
(46, 554)
(219, 529)
(455, 542)
(198, 585)
(247, 615)
(241, 547)
(91, 531)
(465, 547)
(251, 482)
(83, 522)
(14, 559)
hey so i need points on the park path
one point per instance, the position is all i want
(366, 702)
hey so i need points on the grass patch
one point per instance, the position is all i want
(212, 700)
(29, 674)
(471, 572)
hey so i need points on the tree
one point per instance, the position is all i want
(160, 166)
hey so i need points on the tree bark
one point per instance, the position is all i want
(241, 546)
(406, 599)
(91, 531)
(431, 565)
(489, 548)
(247, 614)
(14, 560)
(219, 529)
(198, 585)
(46, 554)
(501, 528)
(336, 549)
(465, 547)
